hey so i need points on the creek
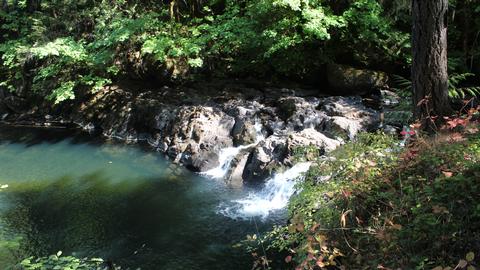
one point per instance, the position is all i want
(86, 196)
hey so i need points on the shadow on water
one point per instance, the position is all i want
(143, 223)
(31, 136)
(112, 202)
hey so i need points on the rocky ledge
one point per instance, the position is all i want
(192, 126)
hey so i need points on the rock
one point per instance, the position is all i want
(286, 108)
(305, 115)
(197, 129)
(344, 128)
(345, 80)
(234, 174)
(347, 117)
(390, 98)
(266, 156)
(202, 160)
(16, 104)
(243, 132)
(311, 137)
(193, 126)
(351, 107)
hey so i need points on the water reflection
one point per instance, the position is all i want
(117, 202)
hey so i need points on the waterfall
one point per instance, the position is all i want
(225, 158)
(227, 155)
(273, 196)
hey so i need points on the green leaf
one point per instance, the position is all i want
(470, 256)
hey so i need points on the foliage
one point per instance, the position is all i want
(373, 35)
(49, 53)
(455, 90)
(61, 262)
(372, 204)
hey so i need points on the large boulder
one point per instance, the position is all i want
(345, 80)
(347, 116)
(303, 114)
(244, 132)
(195, 130)
(310, 138)
(234, 176)
(266, 156)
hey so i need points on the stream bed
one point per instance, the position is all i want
(63, 190)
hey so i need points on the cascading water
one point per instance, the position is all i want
(273, 196)
(227, 155)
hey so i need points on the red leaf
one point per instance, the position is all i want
(288, 259)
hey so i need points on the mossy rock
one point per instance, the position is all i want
(345, 80)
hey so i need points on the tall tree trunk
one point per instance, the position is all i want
(33, 5)
(4, 5)
(429, 68)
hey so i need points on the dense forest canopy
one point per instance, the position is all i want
(59, 49)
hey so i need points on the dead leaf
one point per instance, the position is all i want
(343, 218)
(440, 209)
(396, 226)
(447, 174)
(457, 137)
(461, 264)
(472, 130)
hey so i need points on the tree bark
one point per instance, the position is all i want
(4, 5)
(33, 5)
(429, 68)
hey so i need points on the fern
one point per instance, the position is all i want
(454, 90)
(460, 92)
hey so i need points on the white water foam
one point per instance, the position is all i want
(227, 155)
(273, 196)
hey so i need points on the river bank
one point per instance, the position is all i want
(192, 125)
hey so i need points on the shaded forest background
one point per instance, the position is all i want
(62, 49)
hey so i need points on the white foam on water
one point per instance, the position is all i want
(273, 196)
(225, 158)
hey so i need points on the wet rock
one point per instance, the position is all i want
(234, 176)
(305, 114)
(287, 107)
(192, 126)
(265, 158)
(202, 160)
(243, 132)
(198, 129)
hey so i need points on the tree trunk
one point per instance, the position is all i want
(429, 68)
(33, 5)
(4, 5)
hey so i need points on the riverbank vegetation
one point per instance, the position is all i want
(60, 51)
(374, 204)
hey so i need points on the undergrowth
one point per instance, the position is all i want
(375, 205)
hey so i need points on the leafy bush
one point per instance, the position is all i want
(61, 262)
(372, 204)
(63, 50)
